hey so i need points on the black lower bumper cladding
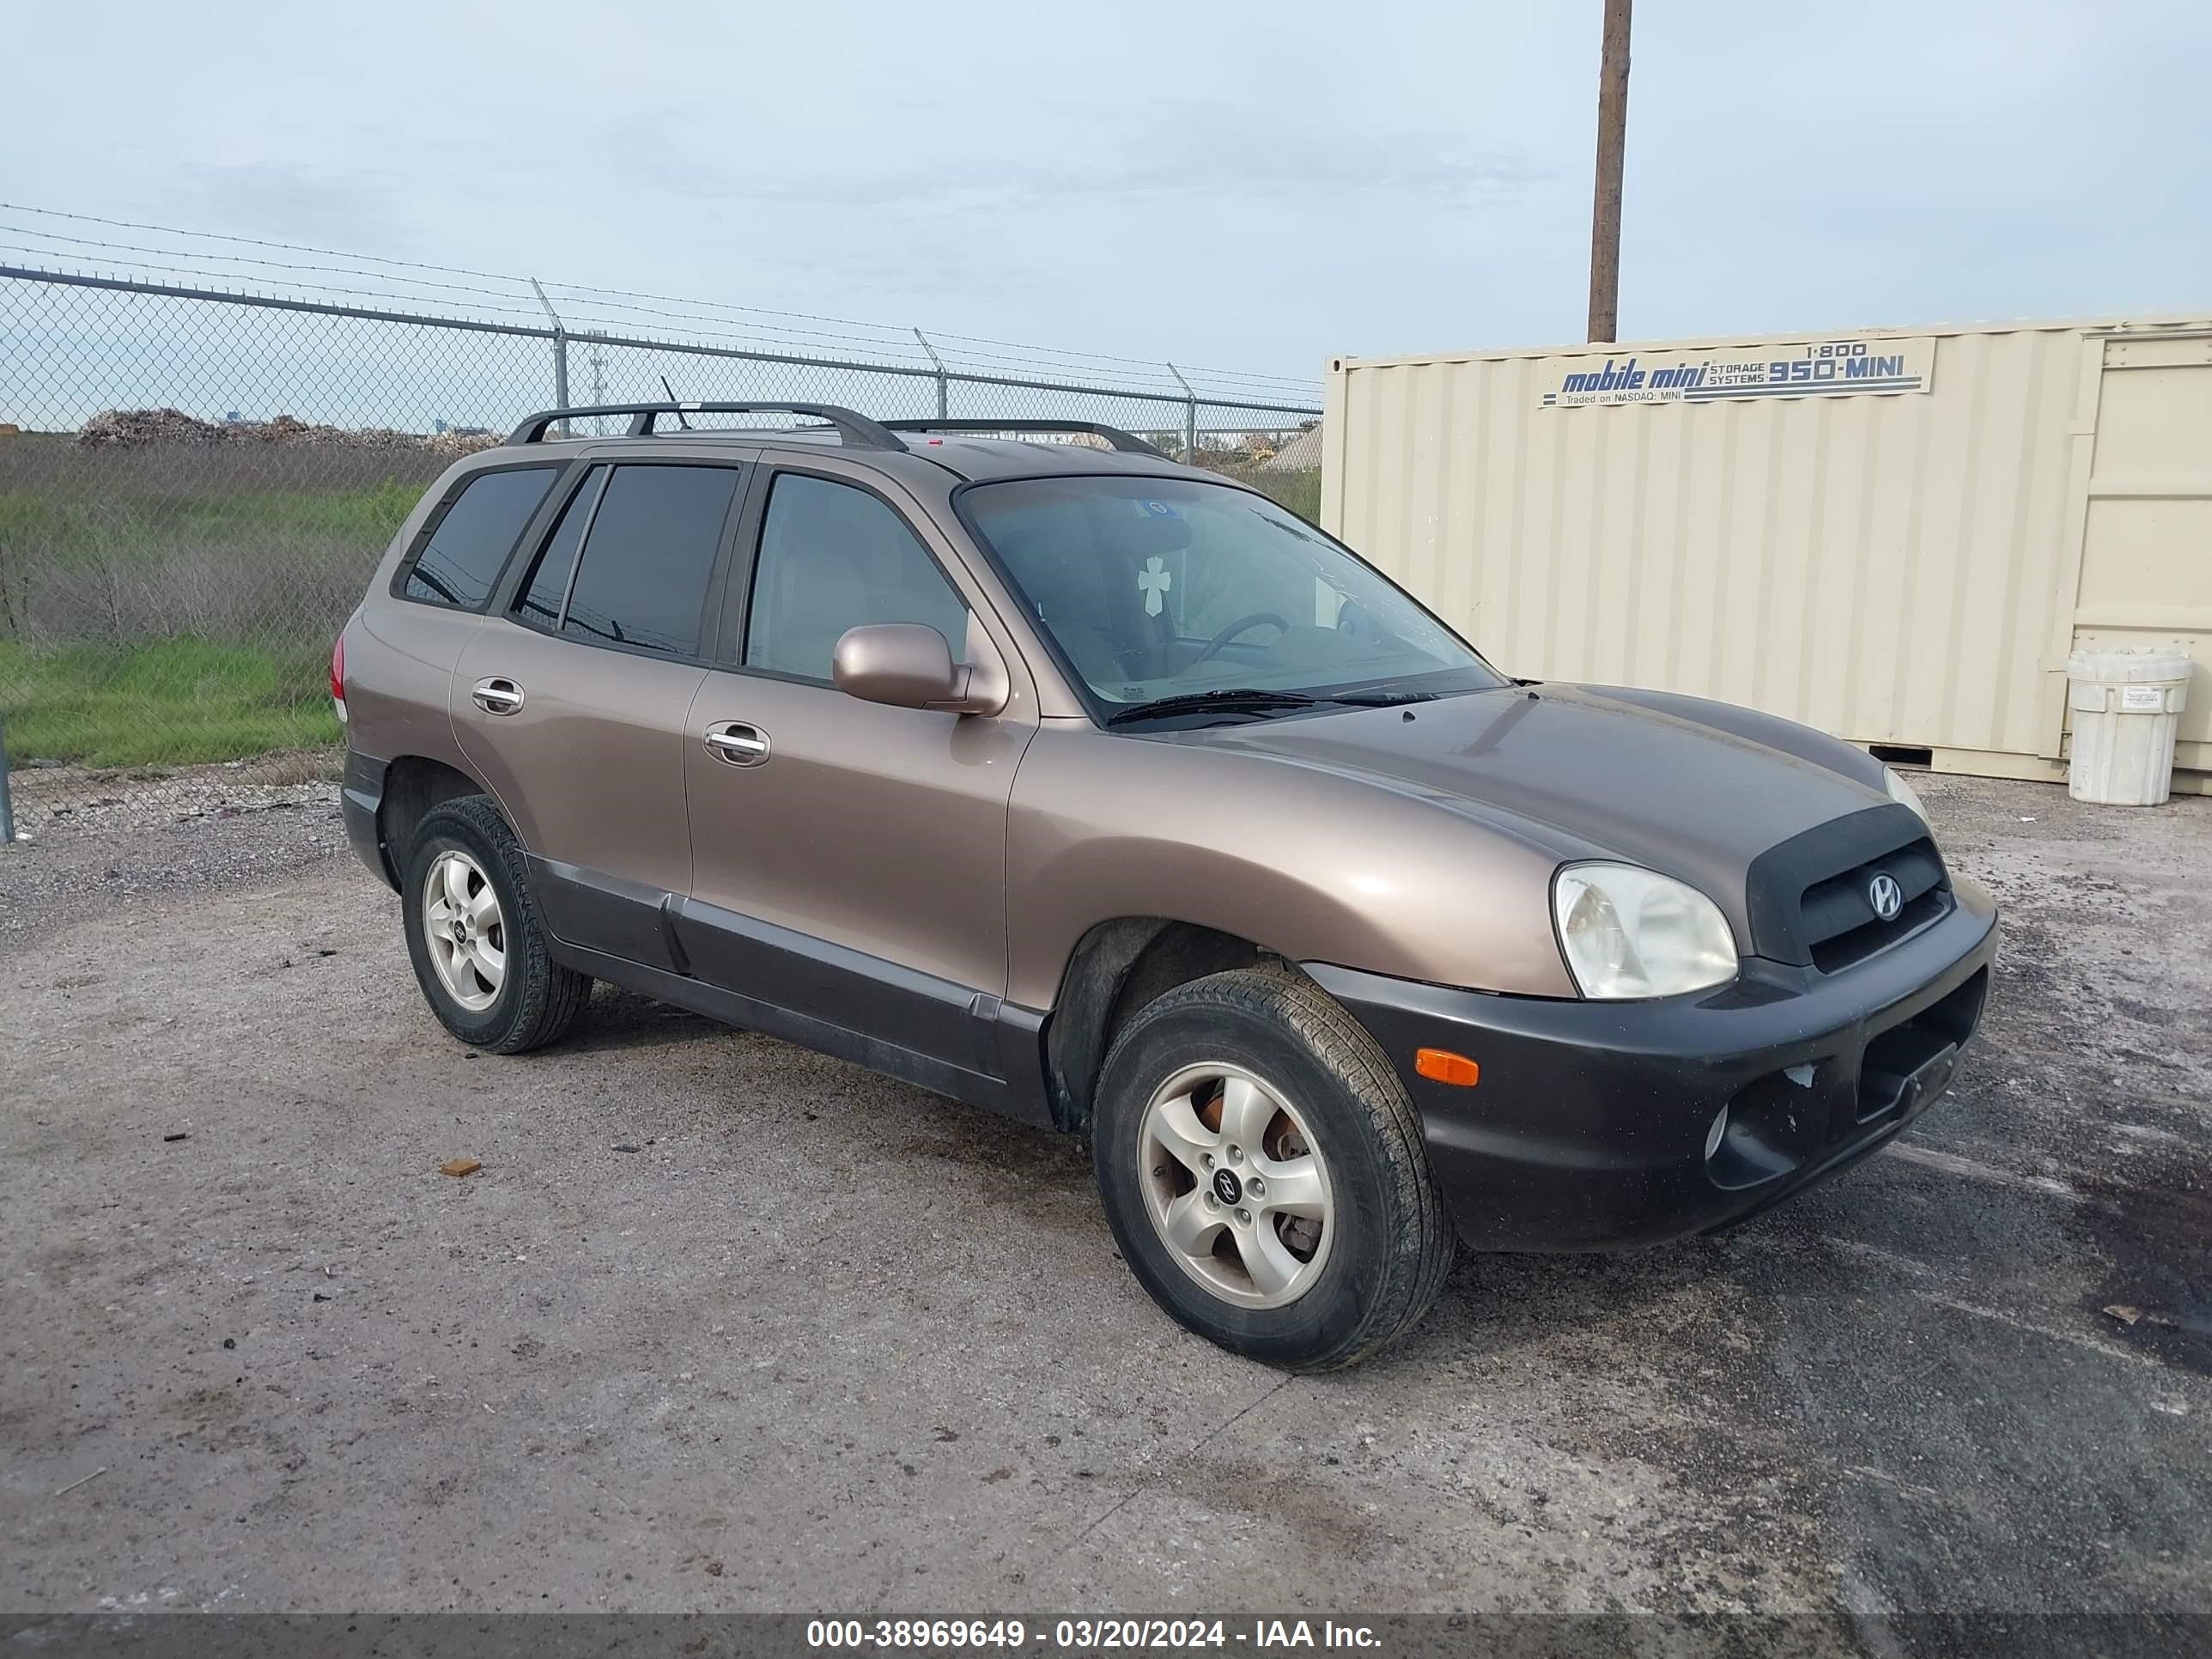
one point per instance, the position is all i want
(360, 797)
(1590, 1127)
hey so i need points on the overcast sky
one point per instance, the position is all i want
(1255, 186)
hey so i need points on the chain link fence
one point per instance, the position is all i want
(194, 487)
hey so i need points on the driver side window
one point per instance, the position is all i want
(834, 557)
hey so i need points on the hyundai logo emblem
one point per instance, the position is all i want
(1886, 895)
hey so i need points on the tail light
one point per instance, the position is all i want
(338, 677)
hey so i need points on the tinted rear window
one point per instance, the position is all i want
(642, 579)
(462, 559)
(540, 602)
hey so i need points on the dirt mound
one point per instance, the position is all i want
(134, 428)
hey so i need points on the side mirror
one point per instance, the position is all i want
(908, 666)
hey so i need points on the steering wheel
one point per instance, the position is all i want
(1214, 646)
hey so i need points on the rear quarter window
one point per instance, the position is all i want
(459, 560)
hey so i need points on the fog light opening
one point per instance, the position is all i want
(1714, 1135)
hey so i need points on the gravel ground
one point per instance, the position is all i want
(723, 1324)
(92, 840)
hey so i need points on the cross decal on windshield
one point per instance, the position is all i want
(1155, 581)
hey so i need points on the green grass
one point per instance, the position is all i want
(1301, 493)
(162, 607)
(63, 528)
(175, 702)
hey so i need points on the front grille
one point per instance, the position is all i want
(1836, 919)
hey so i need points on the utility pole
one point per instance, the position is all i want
(597, 357)
(1611, 143)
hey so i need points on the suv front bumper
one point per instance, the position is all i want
(1588, 1127)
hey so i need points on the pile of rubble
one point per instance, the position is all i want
(133, 428)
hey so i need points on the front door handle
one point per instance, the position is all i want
(497, 695)
(739, 744)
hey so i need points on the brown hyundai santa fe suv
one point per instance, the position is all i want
(1048, 775)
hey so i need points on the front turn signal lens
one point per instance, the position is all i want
(1442, 1065)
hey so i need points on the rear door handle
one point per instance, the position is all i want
(739, 744)
(497, 695)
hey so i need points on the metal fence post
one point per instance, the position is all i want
(943, 407)
(6, 801)
(560, 352)
(1189, 418)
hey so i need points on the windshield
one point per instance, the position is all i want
(1157, 588)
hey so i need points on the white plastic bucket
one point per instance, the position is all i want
(2126, 705)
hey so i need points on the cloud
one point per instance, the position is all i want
(1189, 152)
(644, 149)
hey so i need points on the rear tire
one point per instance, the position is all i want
(1327, 1238)
(475, 936)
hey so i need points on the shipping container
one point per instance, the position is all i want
(1896, 535)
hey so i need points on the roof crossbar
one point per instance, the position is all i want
(857, 431)
(1128, 443)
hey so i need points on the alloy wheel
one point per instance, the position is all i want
(462, 926)
(1234, 1185)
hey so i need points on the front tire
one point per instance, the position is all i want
(474, 934)
(1263, 1172)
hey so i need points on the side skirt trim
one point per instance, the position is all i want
(899, 1021)
(750, 1013)
(586, 907)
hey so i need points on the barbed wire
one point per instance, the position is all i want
(877, 339)
(248, 259)
(304, 288)
(247, 241)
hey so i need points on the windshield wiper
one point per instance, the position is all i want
(1231, 697)
(1380, 698)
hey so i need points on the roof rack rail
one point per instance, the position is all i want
(857, 430)
(1128, 443)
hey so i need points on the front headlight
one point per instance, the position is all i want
(1631, 933)
(1900, 790)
